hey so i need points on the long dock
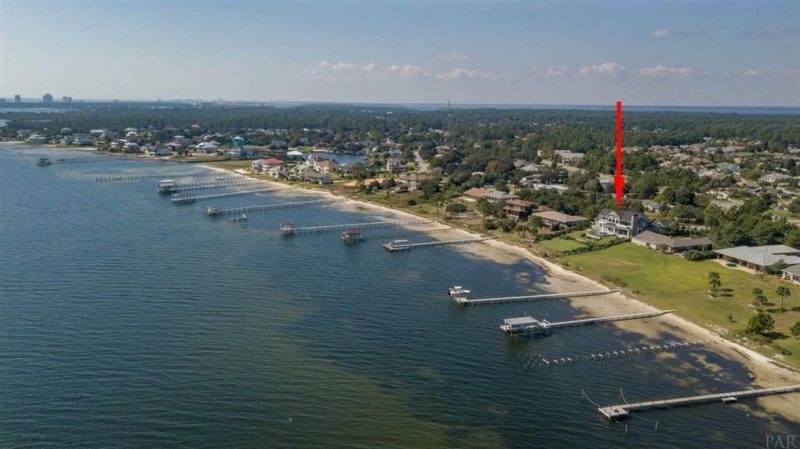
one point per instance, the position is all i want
(44, 162)
(394, 246)
(530, 326)
(117, 178)
(178, 200)
(621, 411)
(264, 207)
(290, 229)
(211, 185)
(463, 300)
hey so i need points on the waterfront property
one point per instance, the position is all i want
(622, 411)
(557, 220)
(758, 258)
(624, 223)
(517, 209)
(670, 244)
(529, 326)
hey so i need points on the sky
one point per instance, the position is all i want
(648, 52)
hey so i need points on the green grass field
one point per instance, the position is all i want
(669, 282)
(560, 245)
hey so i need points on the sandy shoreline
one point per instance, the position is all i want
(763, 371)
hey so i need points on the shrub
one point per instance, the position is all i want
(456, 208)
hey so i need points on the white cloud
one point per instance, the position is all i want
(407, 71)
(456, 56)
(472, 74)
(664, 71)
(752, 72)
(553, 71)
(659, 33)
(606, 68)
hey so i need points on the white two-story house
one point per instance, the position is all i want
(623, 223)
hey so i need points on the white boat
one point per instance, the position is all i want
(458, 291)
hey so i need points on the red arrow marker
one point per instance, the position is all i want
(619, 180)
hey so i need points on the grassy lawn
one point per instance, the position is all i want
(669, 282)
(560, 245)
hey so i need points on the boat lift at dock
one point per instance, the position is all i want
(460, 296)
(404, 245)
(289, 228)
(179, 200)
(213, 211)
(622, 411)
(529, 326)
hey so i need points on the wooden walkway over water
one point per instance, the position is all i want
(265, 207)
(44, 162)
(118, 178)
(621, 411)
(290, 229)
(465, 301)
(395, 247)
(220, 184)
(530, 326)
(179, 200)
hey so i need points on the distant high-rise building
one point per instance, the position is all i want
(47, 98)
(66, 99)
(17, 99)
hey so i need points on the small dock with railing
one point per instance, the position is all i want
(405, 245)
(622, 411)
(529, 326)
(460, 296)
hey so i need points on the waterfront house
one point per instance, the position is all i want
(517, 209)
(277, 172)
(669, 244)
(211, 147)
(309, 175)
(326, 166)
(624, 223)
(791, 274)
(475, 193)
(157, 150)
(758, 258)
(412, 181)
(498, 196)
(36, 139)
(557, 220)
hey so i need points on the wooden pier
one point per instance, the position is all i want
(404, 245)
(527, 326)
(118, 178)
(290, 229)
(264, 207)
(622, 411)
(179, 200)
(463, 300)
(211, 185)
(44, 162)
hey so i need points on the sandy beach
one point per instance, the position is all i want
(763, 371)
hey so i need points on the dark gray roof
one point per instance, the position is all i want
(624, 214)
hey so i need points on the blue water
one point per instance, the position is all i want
(128, 321)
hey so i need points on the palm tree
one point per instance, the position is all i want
(758, 298)
(783, 292)
(714, 282)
